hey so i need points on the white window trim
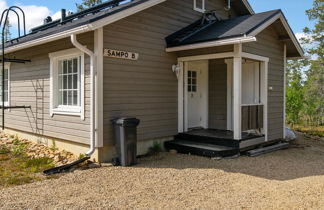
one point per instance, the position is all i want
(7, 66)
(203, 9)
(66, 110)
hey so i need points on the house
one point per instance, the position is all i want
(189, 69)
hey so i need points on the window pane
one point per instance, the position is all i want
(70, 98)
(64, 66)
(64, 81)
(6, 85)
(194, 74)
(189, 88)
(68, 87)
(75, 81)
(75, 98)
(75, 65)
(70, 66)
(194, 88)
(64, 98)
(69, 81)
(189, 73)
(194, 81)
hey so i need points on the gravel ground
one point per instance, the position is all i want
(288, 179)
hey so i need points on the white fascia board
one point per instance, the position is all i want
(43, 40)
(287, 27)
(86, 28)
(248, 6)
(230, 41)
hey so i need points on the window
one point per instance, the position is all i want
(6, 85)
(199, 5)
(250, 82)
(67, 82)
(192, 81)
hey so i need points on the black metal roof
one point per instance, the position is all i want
(78, 19)
(217, 30)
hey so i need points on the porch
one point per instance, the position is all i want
(222, 103)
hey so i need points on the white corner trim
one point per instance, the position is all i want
(85, 28)
(98, 51)
(286, 26)
(264, 67)
(230, 41)
(284, 93)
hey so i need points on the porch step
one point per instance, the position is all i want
(208, 140)
(200, 148)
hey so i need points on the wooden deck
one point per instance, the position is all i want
(212, 142)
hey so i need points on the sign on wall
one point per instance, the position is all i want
(121, 54)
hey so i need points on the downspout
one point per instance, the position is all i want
(93, 129)
(228, 5)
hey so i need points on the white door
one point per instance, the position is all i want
(197, 94)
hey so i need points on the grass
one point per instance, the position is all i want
(310, 130)
(16, 168)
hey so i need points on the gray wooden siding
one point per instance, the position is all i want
(147, 88)
(24, 84)
(268, 45)
(217, 94)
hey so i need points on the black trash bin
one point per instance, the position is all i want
(125, 130)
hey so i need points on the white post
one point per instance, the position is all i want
(284, 93)
(180, 97)
(229, 120)
(237, 91)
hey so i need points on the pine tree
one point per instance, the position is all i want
(87, 4)
(314, 86)
(7, 34)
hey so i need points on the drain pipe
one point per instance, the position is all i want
(228, 5)
(92, 93)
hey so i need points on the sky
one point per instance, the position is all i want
(37, 10)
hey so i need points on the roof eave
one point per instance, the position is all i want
(291, 34)
(229, 41)
(248, 6)
(87, 27)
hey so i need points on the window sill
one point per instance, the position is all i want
(200, 10)
(67, 111)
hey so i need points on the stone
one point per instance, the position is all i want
(173, 151)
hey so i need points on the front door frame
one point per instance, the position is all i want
(237, 56)
(202, 83)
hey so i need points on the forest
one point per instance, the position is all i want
(305, 78)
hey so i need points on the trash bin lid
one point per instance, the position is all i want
(126, 121)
